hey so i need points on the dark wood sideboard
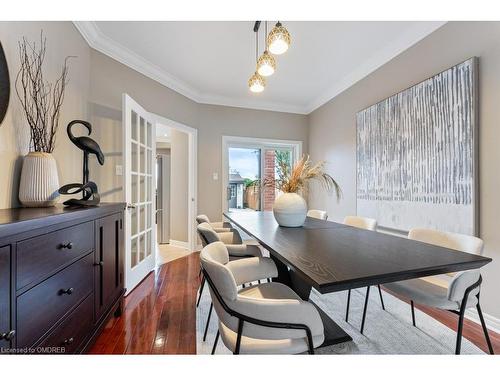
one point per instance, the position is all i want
(61, 276)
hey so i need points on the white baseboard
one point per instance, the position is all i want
(183, 244)
(492, 322)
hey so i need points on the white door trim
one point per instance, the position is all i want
(260, 143)
(193, 174)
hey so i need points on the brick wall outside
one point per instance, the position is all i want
(269, 169)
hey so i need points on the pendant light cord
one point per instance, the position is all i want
(265, 37)
(257, 45)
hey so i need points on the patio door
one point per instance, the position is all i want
(138, 187)
(249, 161)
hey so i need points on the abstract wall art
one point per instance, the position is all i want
(417, 155)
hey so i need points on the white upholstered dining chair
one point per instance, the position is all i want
(455, 291)
(317, 214)
(361, 222)
(234, 244)
(237, 251)
(368, 224)
(267, 318)
(218, 226)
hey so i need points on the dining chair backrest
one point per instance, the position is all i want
(455, 241)
(202, 219)
(361, 222)
(214, 258)
(207, 234)
(317, 214)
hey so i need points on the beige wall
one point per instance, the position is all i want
(109, 79)
(179, 186)
(62, 40)
(216, 121)
(332, 127)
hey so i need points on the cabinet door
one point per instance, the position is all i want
(5, 287)
(109, 262)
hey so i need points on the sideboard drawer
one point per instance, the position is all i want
(73, 330)
(42, 255)
(42, 306)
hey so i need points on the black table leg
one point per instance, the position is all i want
(333, 333)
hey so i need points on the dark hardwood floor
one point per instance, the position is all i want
(159, 316)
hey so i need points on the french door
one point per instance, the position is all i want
(138, 187)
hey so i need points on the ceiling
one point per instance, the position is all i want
(210, 62)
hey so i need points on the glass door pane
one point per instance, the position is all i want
(243, 190)
(277, 163)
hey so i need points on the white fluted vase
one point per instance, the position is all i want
(290, 210)
(39, 180)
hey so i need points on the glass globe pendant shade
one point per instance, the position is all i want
(256, 83)
(278, 39)
(266, 64)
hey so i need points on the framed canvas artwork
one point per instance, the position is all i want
(417, 155)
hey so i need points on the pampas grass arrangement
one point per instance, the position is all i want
(296, 179)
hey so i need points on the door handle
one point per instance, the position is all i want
(131, 206)
(8, 336)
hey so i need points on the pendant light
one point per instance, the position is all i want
(278, 39)
(257, 83)
(266, 64)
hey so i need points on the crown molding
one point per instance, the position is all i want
(405, 41)
(100, 42)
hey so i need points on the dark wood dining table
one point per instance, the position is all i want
(331, 257)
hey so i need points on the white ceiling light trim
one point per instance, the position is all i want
(100, 42)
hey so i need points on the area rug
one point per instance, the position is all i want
(386, 332)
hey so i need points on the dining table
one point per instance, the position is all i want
(332, 257)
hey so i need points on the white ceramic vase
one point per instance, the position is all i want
(39, 181)
(290, 210)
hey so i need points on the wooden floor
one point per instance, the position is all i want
(160, 316)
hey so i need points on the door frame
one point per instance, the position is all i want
(192, 133)
(250, 142)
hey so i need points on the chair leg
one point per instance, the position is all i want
(347, 307)
(238, 338)
(459, 330)
(201, 291)
(381, 299)
(413, 313)
(364, 309)
(268, 280)
(208, 322)
(215, 342)
(485, 330)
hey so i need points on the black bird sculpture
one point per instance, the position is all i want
(87, 188)
(87, 145)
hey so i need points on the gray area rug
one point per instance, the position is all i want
(386, 332)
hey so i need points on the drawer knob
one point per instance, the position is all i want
(68, 341)
(101, 263)
(68, 245)
(66, 291)
(8, 336)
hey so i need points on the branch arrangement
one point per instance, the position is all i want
(296, 179)
(41, 100)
